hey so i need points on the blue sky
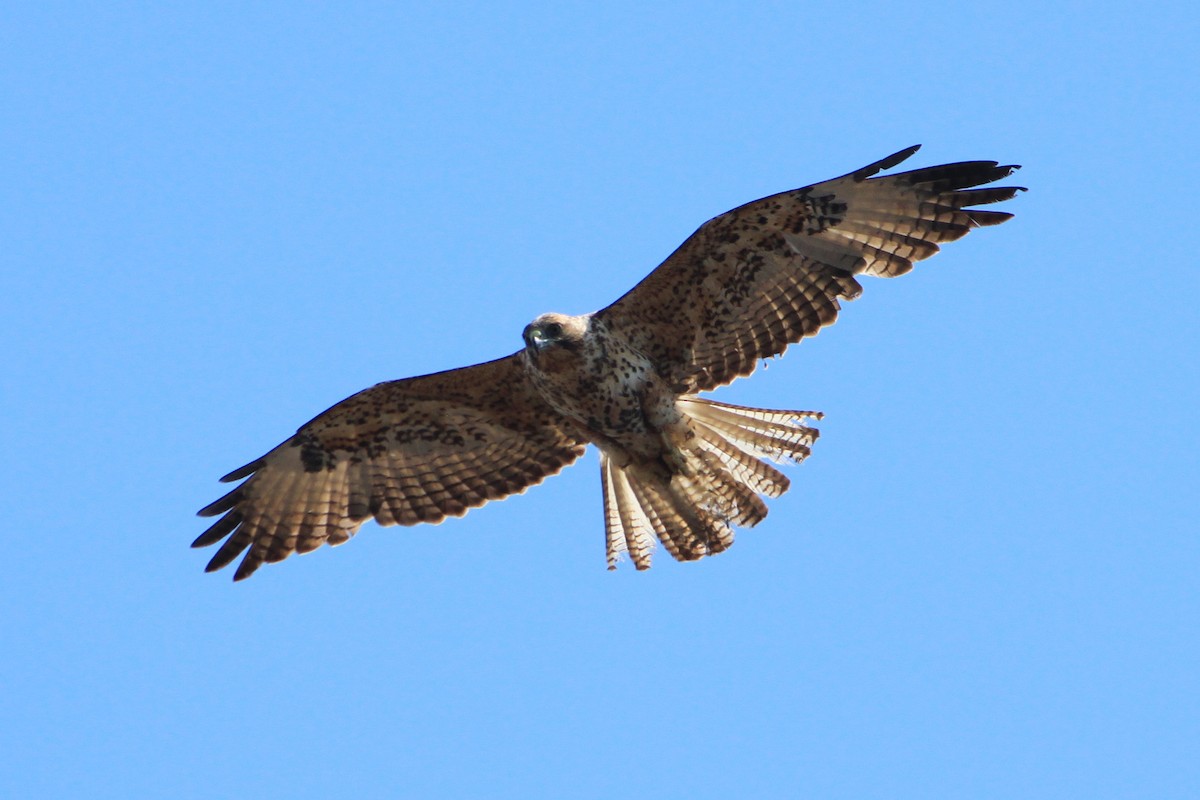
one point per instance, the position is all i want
(219, 219)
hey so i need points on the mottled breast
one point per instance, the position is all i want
(599, 381)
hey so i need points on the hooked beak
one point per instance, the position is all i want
(533, 337)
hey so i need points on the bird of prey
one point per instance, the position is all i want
(674, 467)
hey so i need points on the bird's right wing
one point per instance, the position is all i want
(403, 452)
(767, 274)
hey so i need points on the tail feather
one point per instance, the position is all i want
(759, 475)
(720, 493)
(627, 527)
(778, 435)
(675, 533)
(614, 527)
(693, 510)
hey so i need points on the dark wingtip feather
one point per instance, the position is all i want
(986, 218)
(232, 548)
(945, 178)
(979, 197)
(243, 472)
(247, 567)
(217, 562)
(898, 156)
(1002, 171)
(884, 163)
(219, 530)
(221, 505)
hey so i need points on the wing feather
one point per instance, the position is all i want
(409, 451)
(769, 273)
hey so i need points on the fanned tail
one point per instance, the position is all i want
(778, 435)
(693, 511)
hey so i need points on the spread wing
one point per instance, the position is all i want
(408, 451)
(762, 276)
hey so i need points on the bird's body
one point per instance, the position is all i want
(661, 477)
(674, 467)
(604, 386)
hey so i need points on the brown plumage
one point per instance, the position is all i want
(674, 467)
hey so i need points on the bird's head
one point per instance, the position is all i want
(553, 334)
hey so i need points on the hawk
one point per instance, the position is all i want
(674, 467)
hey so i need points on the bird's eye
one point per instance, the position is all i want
(553, 330)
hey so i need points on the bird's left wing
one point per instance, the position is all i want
(767, 274)
(408, 451)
